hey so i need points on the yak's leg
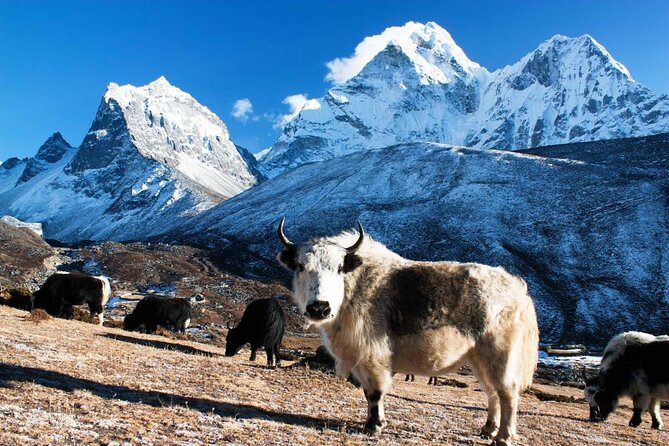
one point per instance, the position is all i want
(99, 316)
(636, 418)
(253, 354)
(277, 358)
(491, 426)
(376, 385)
(66, 311)
(654, 409)
(508, 402)
(641, 403)
(269, 351)
(96, 310)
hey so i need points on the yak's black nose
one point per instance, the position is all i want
(319, 309)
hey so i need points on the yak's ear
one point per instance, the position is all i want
(288, 258)
(351, 262)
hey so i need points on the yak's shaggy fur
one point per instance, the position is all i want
(381, 314)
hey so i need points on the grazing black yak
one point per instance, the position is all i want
(63, 290)
(262, 325)
(154, 310)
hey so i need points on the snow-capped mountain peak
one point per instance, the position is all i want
(152, 156)
(571, 57)
(432, 50)
(414, 83)
(167, 125)
(435, 54)
(125, 94)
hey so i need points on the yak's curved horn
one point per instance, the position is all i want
(358, 243)
(228, 325)
(287, 243)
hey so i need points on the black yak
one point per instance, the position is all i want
(634, 364)
(154, 310)
(262, 325)
(63, 290)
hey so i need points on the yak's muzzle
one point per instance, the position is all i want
(318, 310)
(595, 415)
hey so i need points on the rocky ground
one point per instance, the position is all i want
(66, 382)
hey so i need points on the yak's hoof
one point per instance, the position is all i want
(634, 423)
(507, 441)
(485, 433)
(374, 427)
(488, 431)
(502, 442)
(657, 426)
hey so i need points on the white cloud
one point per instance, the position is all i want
(242, 109)
(296, 103)
(344, 68)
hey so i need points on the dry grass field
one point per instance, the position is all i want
(70, 383)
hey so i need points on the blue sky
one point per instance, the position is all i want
(56, 58)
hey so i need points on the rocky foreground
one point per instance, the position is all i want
(66, 382)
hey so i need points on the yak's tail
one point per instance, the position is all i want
(528, 345)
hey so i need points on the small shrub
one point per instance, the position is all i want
(38, 315)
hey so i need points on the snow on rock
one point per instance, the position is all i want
(53, 150)
(413, 83)
(35, 227)
(584, 224)
(570, 362)
(153, 156)
(10, 172)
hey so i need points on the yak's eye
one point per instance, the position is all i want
(340, 269)
(300, 267)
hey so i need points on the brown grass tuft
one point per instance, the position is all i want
(38, 315)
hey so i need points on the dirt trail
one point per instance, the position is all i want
(66, 382)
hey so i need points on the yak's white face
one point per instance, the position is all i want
(319, 269)
(319, 278)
